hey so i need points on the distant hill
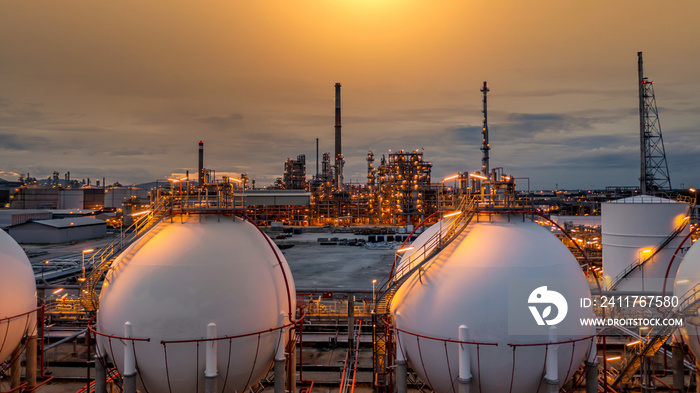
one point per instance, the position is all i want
(3, 181)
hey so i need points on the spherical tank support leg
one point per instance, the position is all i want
(678, 377)
(15, 367)
(401, 370)
(100, 375)
(31, 362)
(591, 377)
(279, 359)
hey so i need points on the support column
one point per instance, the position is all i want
(646, 383)
(15, 367)
(211, 372)
(279, 359)
(100, 375)
(591, 377)
(465, 364)
(551, 377)
(129, 361)
(401, 370)
(678, 376)
(292, 362)
(351, 319)
(31, 361)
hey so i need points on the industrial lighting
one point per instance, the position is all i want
(374, 296)
(236, 180)
(647, 251)
(405, 249)
(682, 281)
(174, 180)
(692, 190)
(140, 213)
(88, 250)
(57, 291)
(450, 177)
(452, 214)
(632, 343)
(478, 176)
(614, 358)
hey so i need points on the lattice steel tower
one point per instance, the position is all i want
(654, 169)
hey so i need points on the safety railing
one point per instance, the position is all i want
(101, 260)
(643, 260)
(418, 259)
(653, 341)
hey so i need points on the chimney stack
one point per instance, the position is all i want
(338, 149)
(201, 164)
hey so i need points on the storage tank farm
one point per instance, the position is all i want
(639, 237)
(17, 296)
(464, 320)
(172, 285)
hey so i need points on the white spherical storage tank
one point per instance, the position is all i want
(417, 247)
(490, 279)
(687, 282)
(633, 228)
(179, 278)
(17, 295)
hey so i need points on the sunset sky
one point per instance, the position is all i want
(125, 90)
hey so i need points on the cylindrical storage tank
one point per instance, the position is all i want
(488, 279)
(17, 295)
(179, 278)
(632, 229)
(687, 282)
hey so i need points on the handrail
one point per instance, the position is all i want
(642, 261)
(435, 241)
(418, 259)
(103, 258)
(657, 335)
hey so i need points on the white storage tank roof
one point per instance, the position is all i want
(17, 295)
(171, 284)
(633, 228)
(484, 279)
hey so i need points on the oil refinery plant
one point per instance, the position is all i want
(485, 291)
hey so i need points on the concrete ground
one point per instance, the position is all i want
(337, 267)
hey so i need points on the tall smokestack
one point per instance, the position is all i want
(201, 164)
(642, 127)
(485, 147)
(338, 149)
(317, 158)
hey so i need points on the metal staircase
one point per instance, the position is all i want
(657, 336)
(419, 258)
(102, 260)
(642, 261)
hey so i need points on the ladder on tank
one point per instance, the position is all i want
(419, 258)
(102, 260)
(656, 338)
(642, 261)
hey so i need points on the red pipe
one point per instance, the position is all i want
(668, 268)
